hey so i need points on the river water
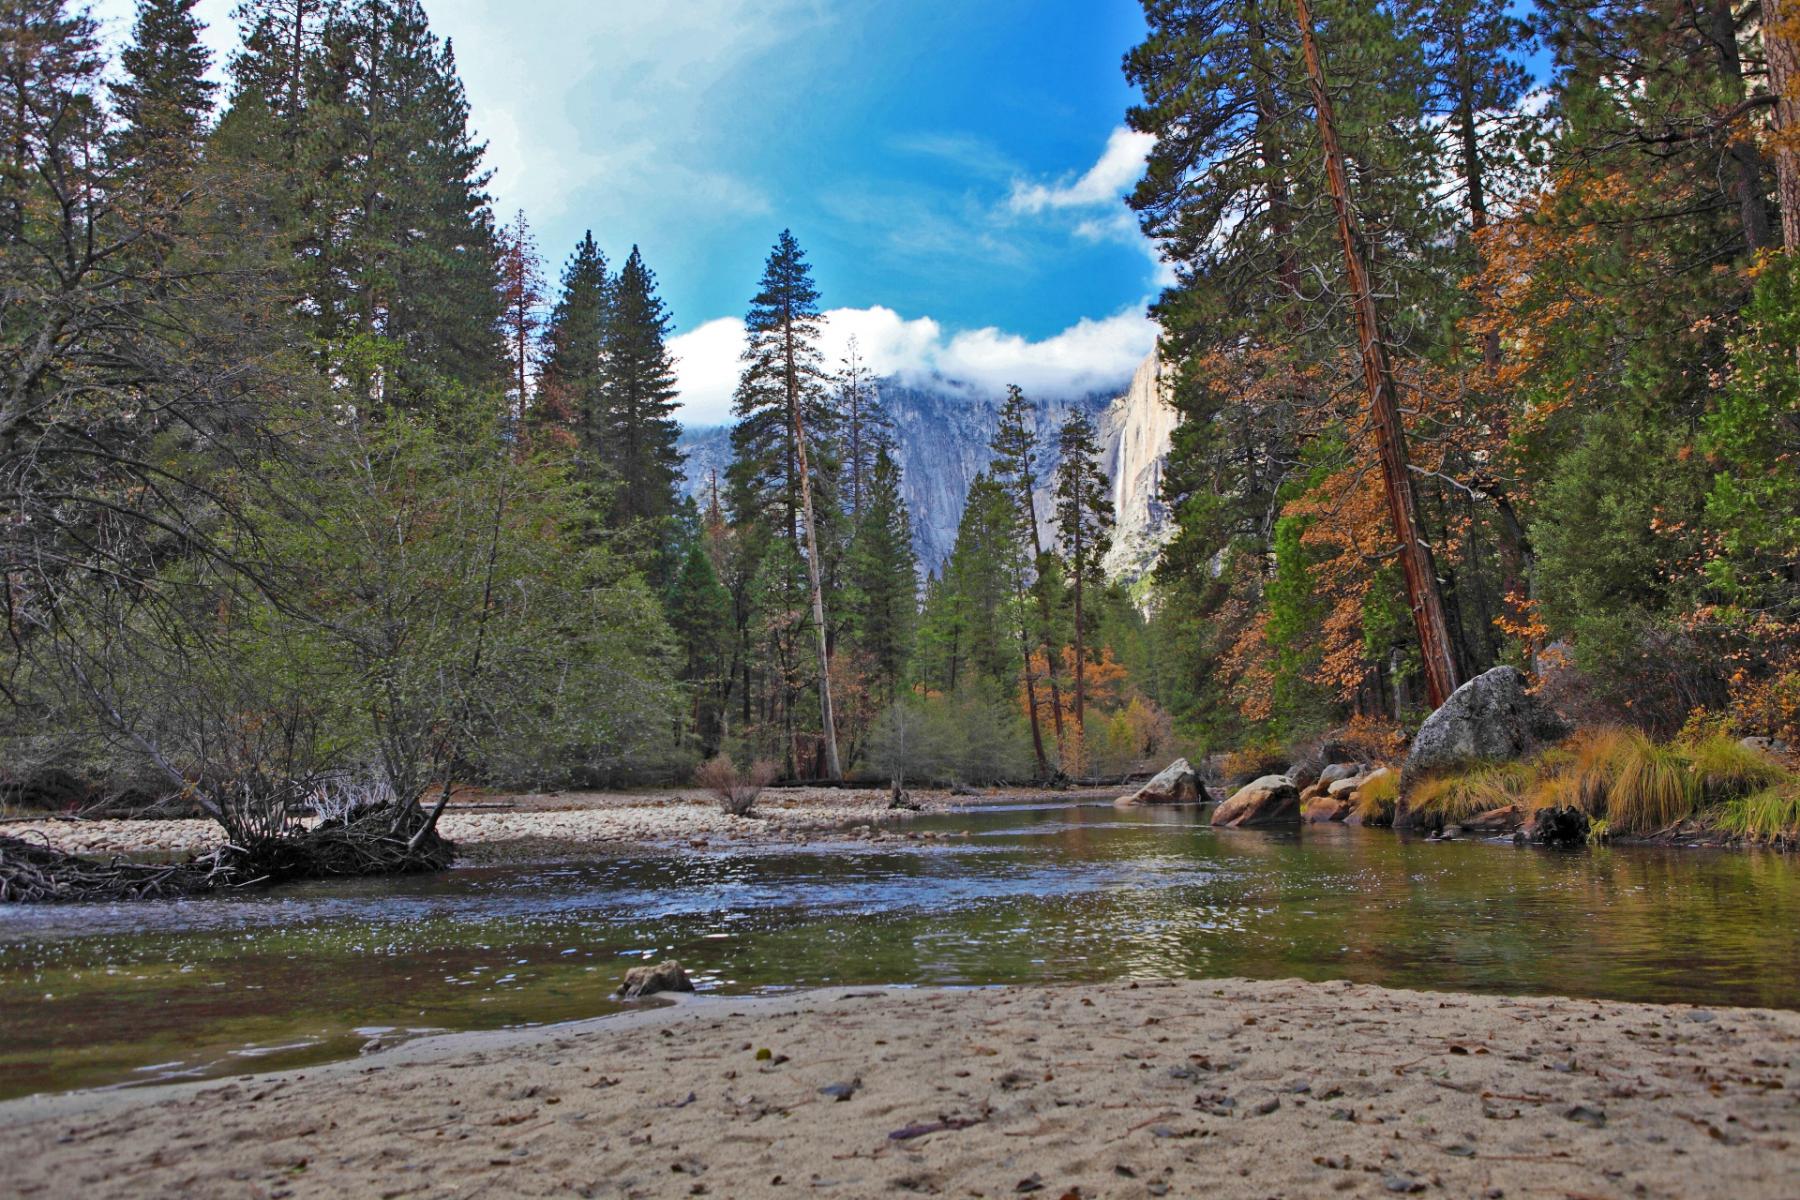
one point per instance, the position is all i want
(98, 995)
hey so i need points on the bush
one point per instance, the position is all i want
(735, 790)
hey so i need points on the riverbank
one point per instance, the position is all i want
(498, 825)
(1225, 1087)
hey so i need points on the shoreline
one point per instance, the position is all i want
(487, 825)
(1118, 1090)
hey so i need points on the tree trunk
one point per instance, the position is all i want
(1781, 46)
(1422, 591)
(1753, 210)
(832, 770)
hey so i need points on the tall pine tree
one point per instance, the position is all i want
(1084, 522)
(637, 396)
(575, 343)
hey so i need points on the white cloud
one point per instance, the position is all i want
(1089, 356)
(1120, 166)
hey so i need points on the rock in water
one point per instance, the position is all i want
(1179, 783)
(1271, 800)
(1491, 718)
(647, 981)
(1556, 827)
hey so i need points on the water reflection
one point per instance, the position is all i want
(105, 993)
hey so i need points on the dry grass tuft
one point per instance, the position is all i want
(1377, 799)
(1725, 769)
(1653, 790)
(1768, 815)
(1460, 796)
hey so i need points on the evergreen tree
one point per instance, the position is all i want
(1084, 522)
(575, 344)
(1015, 449)
(165, 99)
(783, 387)
(48, 72)
(391, 229)
(699, 612)
(868, 430)
(882, 579)
(637, 394)
(521, 313)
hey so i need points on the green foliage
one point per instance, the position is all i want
(970, 737)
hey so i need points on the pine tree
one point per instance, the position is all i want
(783, 387)
(521, 314)
(637, 395)
(48, 71)
(868, 430)
(395, 239)
(575, 344)
(1015, 449)
(1084, 522)
(699, 612)
(881, 575)
(782, 465)
(165, 99)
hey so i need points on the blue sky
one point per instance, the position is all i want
(953, 169)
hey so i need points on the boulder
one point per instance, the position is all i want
(1178, 783)
(1491, 718)
(1323, 810)
(1337, 771)
(1504, 819)
(1271, 800)
(646, 981)
(1339, 787)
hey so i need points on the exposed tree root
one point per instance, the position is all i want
(373, 842)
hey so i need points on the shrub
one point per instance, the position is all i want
(735, 790)
(1252, 762)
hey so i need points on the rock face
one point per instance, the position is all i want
(942, 431)
(1178, 783)
(1134, 433)
(647, 981)
(1491, 718)
(1271, 800)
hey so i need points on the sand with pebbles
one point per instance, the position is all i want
(575, 819)
(1215, 1089)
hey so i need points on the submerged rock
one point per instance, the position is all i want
(647, 981)
(1491, 718)
(1271, 800)
(1179, 783)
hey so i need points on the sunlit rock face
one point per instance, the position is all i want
(943, 431)
(1135, 430)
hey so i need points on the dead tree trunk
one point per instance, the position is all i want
(1422, 590)
(832, 770)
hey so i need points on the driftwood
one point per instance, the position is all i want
(377, 841)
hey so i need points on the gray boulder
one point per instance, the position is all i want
(1178, 783)
(1337, 771)
(1491, 718)
(1271, 800)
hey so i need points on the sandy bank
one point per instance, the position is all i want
(590, 819)
(1224, 1088)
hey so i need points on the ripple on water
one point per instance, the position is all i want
(97, 994)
